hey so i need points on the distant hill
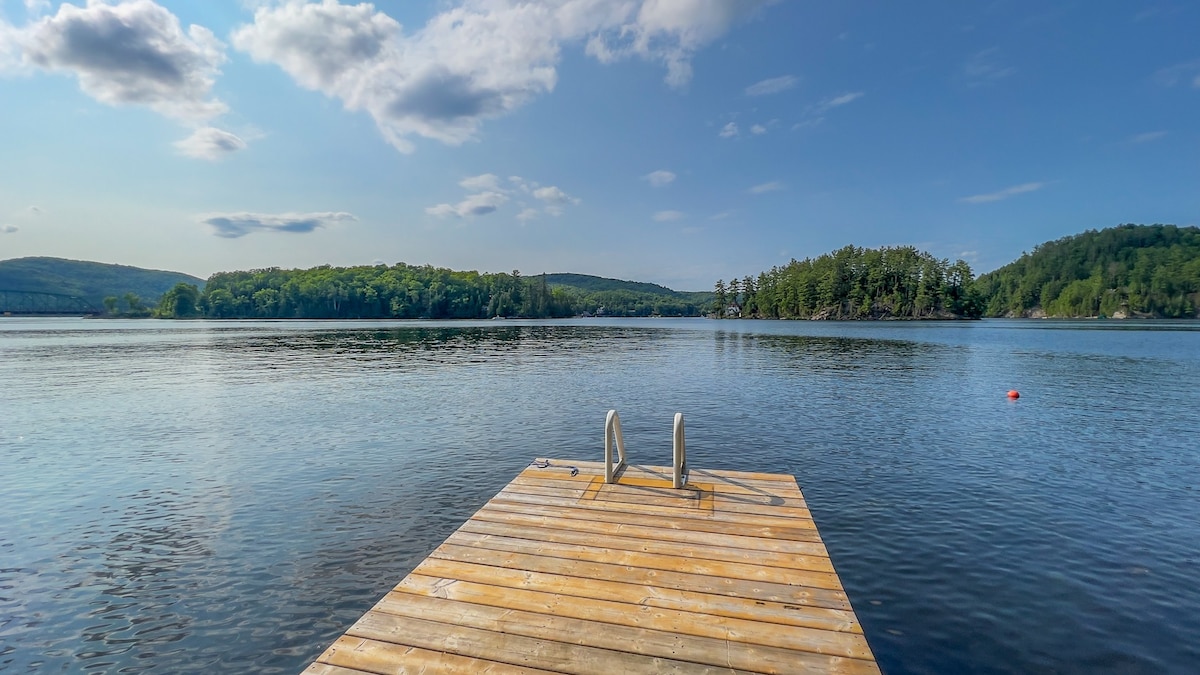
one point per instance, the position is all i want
(591, 284)
(1124, 271)
(91, 281)
(629, 298)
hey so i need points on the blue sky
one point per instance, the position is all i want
(674, 141)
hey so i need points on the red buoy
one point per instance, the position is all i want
(1013, 393)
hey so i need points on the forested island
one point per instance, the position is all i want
(410, 292)
(855, 283)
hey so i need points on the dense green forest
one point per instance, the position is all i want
(126, 288)
(1124, 271)
(855, 283)
(410, 292)
(1130, 270)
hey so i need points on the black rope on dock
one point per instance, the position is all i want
(545, 464)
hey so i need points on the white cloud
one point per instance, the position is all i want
(985, 67)
(729, 130)
(133, 53)
(210, 143)
(490, 193)
(815, 114)
(659, 178)
(487, 181)
(478, 60)
(1147, 137)
(766, 187)
(553, 195)
(772, 86)
(1187, 72)
(479, 204)
(758, 130)
(37, 7)
(668, 216)
(841, 100)
(1003, 194)
(668, 31)
(720, 216)
(234, 225)
(8, 229)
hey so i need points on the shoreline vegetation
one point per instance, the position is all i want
(1128, 271)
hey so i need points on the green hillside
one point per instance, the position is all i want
(593, 294)
(1129, 270)
(91, 281)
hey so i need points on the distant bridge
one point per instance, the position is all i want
(28, 302)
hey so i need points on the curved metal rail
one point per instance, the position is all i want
(612, 432)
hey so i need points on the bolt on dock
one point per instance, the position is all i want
(567, 570)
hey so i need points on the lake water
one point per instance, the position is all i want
(199, 497)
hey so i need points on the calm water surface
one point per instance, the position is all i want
(188, 497)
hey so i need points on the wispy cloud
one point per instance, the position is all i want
(729, 130)
(210, 143)
(843, 99)
(1003, 194)
(659, 178)
(1147, 137)
(766, 187)
(234, 225)
(985, 67)
(758, 130)
(8, 229)
(815, 113)
(668, 216)
(489, 193)
(478, 204)
(1186, 73)
(487, 181)
(773, 85)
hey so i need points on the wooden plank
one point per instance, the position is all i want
(794, 634)
(640, 640)
(363, 654)
(717, 516)
(598, 553)
(326, 669)
(686, 498)
(650, 471)
(814, 547)
(759, 499)
(803, 530)
(669, 579)
(645, 495)
(816, 563)
(787, 613)
(722, 487)
(548, 655)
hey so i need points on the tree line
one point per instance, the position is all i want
(402, 292)
(1129, 270)
(855, 283)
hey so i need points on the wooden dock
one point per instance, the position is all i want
(563, 573)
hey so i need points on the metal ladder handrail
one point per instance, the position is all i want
(612, 432)
(613, 437)
(679, 455)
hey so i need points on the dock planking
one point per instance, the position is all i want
(561, 572)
